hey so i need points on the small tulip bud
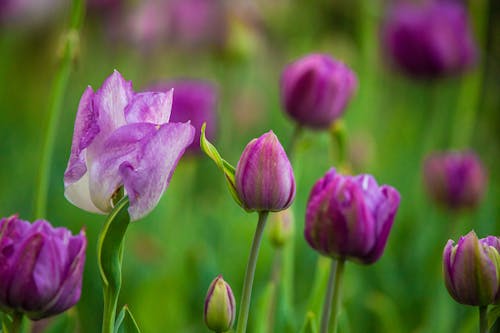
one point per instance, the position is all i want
(264, 176)
(471, 269)
(220, 306)
(281, 227)
(350, 217)
(455, 180)
(316, 89)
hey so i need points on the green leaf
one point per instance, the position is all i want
(493, 314)
(310, 324)
(125, 323)
(222, 164)
(110, 245)
(63, 323)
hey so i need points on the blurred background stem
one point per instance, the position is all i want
(327, 307)
(69, 51)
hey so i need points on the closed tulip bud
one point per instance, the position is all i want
(471, 269)
(220, 307)
(350, 217)
(41, 267)
(281, 227)
(264, 176)
(455, 180)
(315, 90)
(429, 40)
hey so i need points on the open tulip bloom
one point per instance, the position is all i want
(122, 138)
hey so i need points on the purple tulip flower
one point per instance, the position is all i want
(264, 176)
(316, 89)
(220, 308)
(350, 217)
(194, 101)
(430, 40)
(123, 138)
(455, 180)
(471, 269)
(41, 267)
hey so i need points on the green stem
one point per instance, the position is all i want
(275, 280)
(483, 319)
(292, 144)
(250, 272)
(339, 272)
(327, 307)
(110, 257)
(17, 321)
(69, 52)
(338, 135)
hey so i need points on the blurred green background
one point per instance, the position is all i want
(197, 231)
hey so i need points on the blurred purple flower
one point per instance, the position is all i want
(220, 308)
(264, 176)
(194, 101)
(28, 12)
(123, 138)
(41, 267)
(195, 23)
(316, 89)
(429, 40)
(350, 217)
(454, 179)
(147, 24)
(471, 269)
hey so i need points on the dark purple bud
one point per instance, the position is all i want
(41, 267)
(454, 180)
(429, 40)
(471, 269)
(264, 176)
(350, 217)
(194, 101)
(220, 308)
(315, 90)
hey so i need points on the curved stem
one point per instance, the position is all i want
(339, 272)
(70, 47)
(325, 317)
(249, 275)
(483, 319)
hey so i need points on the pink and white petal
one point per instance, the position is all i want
(110, 101)
(149, 107)
(123, 145)
(78, 194)
(86, 128)
(146, 182)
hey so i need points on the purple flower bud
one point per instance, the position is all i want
(429, 40)
(264, 176)
(471, 269)
(123, 138)
(220, 307)
(41, 267)
(316, 89)
(350, 217)
(194, 101)
(454, 179)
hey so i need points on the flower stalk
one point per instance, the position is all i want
(339, 274)
(69, 54)
(250, 272)
(483, 319)
(327, 307)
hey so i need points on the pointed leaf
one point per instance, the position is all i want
(493, 314)
(110, 245)
(222, 164)
(265, 305)
(125, 323)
